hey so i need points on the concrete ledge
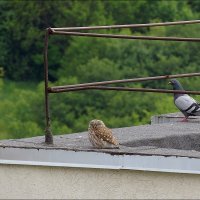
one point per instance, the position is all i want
(173, 118)
(61, 158)
(171, 147)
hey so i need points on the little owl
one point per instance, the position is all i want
(100, 136)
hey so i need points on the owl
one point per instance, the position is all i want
(100, 136)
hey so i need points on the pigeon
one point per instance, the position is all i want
(186, 104)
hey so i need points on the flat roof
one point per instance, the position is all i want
(153, 145)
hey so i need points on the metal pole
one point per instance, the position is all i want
(126, 80)
(122, 89)
(127, 26)
(177, 39)
(48, 133)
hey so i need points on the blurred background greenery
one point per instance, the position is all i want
(76, 60)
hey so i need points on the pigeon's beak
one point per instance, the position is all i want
(169, 83)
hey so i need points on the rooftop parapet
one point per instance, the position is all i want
(170, 147)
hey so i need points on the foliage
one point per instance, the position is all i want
(79, 59)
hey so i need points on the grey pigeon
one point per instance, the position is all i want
(186, 104)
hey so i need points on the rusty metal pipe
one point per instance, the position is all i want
(128, 80)
(57, 90)
(131, 37)
(126, 26)
(48, 133)
(98, 85)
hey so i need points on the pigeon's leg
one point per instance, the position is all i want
(185, 119)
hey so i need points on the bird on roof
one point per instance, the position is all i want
(186, 104)
(100, 136)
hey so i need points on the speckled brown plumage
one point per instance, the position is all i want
(100, 136)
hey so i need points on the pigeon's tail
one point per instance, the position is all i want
(197, 113)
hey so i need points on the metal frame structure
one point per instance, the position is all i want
(77, 31)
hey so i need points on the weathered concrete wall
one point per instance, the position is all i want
(25, 182)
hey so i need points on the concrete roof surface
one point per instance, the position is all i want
(170, 139)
